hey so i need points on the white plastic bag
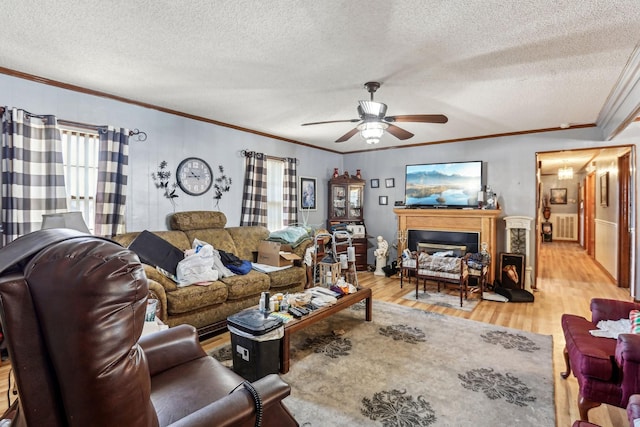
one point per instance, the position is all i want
(197, 267)
(217, 262)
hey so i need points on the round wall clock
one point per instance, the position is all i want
(194, 176)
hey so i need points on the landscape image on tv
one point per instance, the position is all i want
(443, 184)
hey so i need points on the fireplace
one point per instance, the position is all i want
(459, 238)
(472, 226)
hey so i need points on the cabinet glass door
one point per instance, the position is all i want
(355, 202)
(339, 201)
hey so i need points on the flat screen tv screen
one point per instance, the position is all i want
(445, 185)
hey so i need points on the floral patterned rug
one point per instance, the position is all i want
(417, 368)
(445, 298)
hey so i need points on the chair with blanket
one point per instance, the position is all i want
(443, 270)
(73, 309)
(607, 369)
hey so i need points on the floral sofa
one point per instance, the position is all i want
(207, 307)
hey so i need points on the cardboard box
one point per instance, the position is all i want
(275, 254)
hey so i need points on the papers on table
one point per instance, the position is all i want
(322, 296)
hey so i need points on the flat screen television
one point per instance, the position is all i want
(443, 185)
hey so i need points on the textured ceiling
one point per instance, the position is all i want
(492, 67)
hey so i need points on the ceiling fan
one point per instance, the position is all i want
(373, 121)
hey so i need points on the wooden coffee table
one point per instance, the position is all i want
(319, 314)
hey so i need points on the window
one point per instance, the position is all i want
(80, 160)
(275, 185)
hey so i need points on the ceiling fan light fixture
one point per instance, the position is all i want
(372, 108)
(371, 132)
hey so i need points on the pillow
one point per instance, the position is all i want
(634, 319)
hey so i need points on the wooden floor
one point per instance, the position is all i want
(568, 280)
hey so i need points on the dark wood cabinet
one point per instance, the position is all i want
(346, 206)
(346, 200)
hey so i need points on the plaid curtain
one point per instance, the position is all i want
(254, 195)
(32, 172)
(113, 161)
(290, 193)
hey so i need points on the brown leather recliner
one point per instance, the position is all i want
(72, 313)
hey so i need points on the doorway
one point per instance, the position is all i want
(598, 207)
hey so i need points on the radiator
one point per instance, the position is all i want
(565, 226)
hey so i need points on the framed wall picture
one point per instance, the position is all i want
(558, 196)
(512, 270)
(375, 183)
(383, 200)
(604, 189)
(390, 182)
(308, 193)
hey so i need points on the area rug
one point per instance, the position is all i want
(411, 367)
(444, 299)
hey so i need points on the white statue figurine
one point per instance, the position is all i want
(381, 256)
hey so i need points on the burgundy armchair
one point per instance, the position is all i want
(73, 309)
(607, 370)
(633, 413)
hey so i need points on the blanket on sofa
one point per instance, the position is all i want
(293, 236)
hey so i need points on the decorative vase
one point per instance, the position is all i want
(358, 175)
(335, 172)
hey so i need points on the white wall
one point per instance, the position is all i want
(509, 162)
(509, 168)
(170, 138)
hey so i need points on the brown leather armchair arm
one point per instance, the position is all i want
(237, 409)
(171, 347)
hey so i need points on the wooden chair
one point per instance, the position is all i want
(443, 270)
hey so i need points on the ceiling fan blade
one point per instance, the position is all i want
(331, 121)
(399, 132)
(347, 135)
(418, 118)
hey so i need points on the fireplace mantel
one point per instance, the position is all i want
(481, 221)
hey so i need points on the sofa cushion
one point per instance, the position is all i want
(590, 356)
(186, 299)
(197, 220)
(287, 277)
(219, 238)
(242, 286)
(247, 239)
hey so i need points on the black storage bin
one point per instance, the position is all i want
(254, 355)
